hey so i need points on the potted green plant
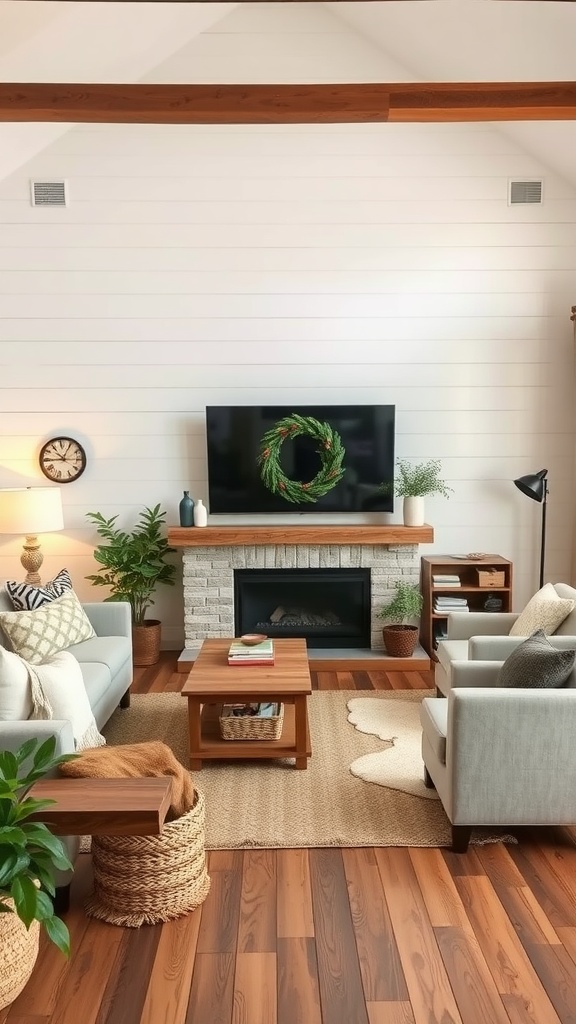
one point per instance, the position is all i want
(29, 855)
(134, 565)
(400, 637)
(413, 482)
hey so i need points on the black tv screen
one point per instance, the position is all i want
(235, 440)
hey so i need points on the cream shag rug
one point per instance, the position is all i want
(272, 805)
(398, 723)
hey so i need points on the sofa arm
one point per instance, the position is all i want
(463, 625)
(14, 734)
(110, 618)
(475, 673)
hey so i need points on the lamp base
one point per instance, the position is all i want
(32, 558)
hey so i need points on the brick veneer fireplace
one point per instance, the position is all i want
(211, 554)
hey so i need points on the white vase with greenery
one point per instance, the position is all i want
(413, 482)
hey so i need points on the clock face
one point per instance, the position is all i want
(62, 459)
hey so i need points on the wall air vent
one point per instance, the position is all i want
(521, 192)
(49, 193)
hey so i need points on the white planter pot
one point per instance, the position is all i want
(413, 511)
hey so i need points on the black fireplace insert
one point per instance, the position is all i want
(328, 607)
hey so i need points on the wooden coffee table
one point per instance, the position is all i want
(213, 682)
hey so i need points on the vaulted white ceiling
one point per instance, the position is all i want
(411, 40)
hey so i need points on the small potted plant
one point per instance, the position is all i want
(400, 637)
(29, 855)
(413, 482)
(134, 565)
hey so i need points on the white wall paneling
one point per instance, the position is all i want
(333, 264)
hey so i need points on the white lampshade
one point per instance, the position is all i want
(31, 510)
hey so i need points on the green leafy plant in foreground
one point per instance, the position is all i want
(134, 563)
(29, 852)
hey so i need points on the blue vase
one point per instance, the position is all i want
(186, 509)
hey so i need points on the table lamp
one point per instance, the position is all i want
(535, 486)
(30, 511)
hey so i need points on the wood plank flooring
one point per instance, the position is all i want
(330, 936)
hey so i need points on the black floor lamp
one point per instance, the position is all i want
(535, 486)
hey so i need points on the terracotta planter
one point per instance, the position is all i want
(146, 642)
(400, 640)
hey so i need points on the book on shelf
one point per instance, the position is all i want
(447, 586)
(445, 577)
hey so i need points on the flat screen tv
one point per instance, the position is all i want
(235, 441)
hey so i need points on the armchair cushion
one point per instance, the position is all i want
(38, 634)
(537, 664)
(545, 610)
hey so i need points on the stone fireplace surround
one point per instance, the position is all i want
(210, 555)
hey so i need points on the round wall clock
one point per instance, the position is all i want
(62, 459)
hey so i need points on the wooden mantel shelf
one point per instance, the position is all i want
(237, 536)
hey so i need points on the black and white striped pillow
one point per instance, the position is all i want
(26, 597)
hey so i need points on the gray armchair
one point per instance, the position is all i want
(483, 636)
(500, 756)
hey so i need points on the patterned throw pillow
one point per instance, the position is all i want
(536, 664)
(37, 635)
(544, 611)
(26, 597)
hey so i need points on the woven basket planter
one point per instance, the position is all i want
(400, 640)
(18, 952)
(147, 879)
(146, 642)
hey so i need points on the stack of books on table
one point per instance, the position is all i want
(258, 654)
(443, 605)
(445, 579)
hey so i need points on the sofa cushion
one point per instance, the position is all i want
(568, 626)
(537, 664)
(546, 610)
(112, 651)
(97, 680)
(15, 691)
(36, 635)
(434, 719)
(26, 597)
(63, 696)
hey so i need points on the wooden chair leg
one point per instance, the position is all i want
(428, 780)
(460, 838)
(125, 701)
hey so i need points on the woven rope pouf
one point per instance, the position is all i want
(148, 879)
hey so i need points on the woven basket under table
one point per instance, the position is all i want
(251, 727)
(148, 879)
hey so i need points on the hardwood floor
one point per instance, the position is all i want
(330, 936)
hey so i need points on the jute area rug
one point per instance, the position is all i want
(270, 804)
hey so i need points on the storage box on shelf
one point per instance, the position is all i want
(449, 583)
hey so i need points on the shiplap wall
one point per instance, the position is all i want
(235, 265)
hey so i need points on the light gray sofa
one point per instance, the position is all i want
(500, 756)
(483, 636)
(106, 664)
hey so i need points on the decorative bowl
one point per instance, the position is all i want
(476, 556)
(251, 639)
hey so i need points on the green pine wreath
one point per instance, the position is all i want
(330, 449)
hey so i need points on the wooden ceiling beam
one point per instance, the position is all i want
(288, 104)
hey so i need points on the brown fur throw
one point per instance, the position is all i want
(133, 761)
